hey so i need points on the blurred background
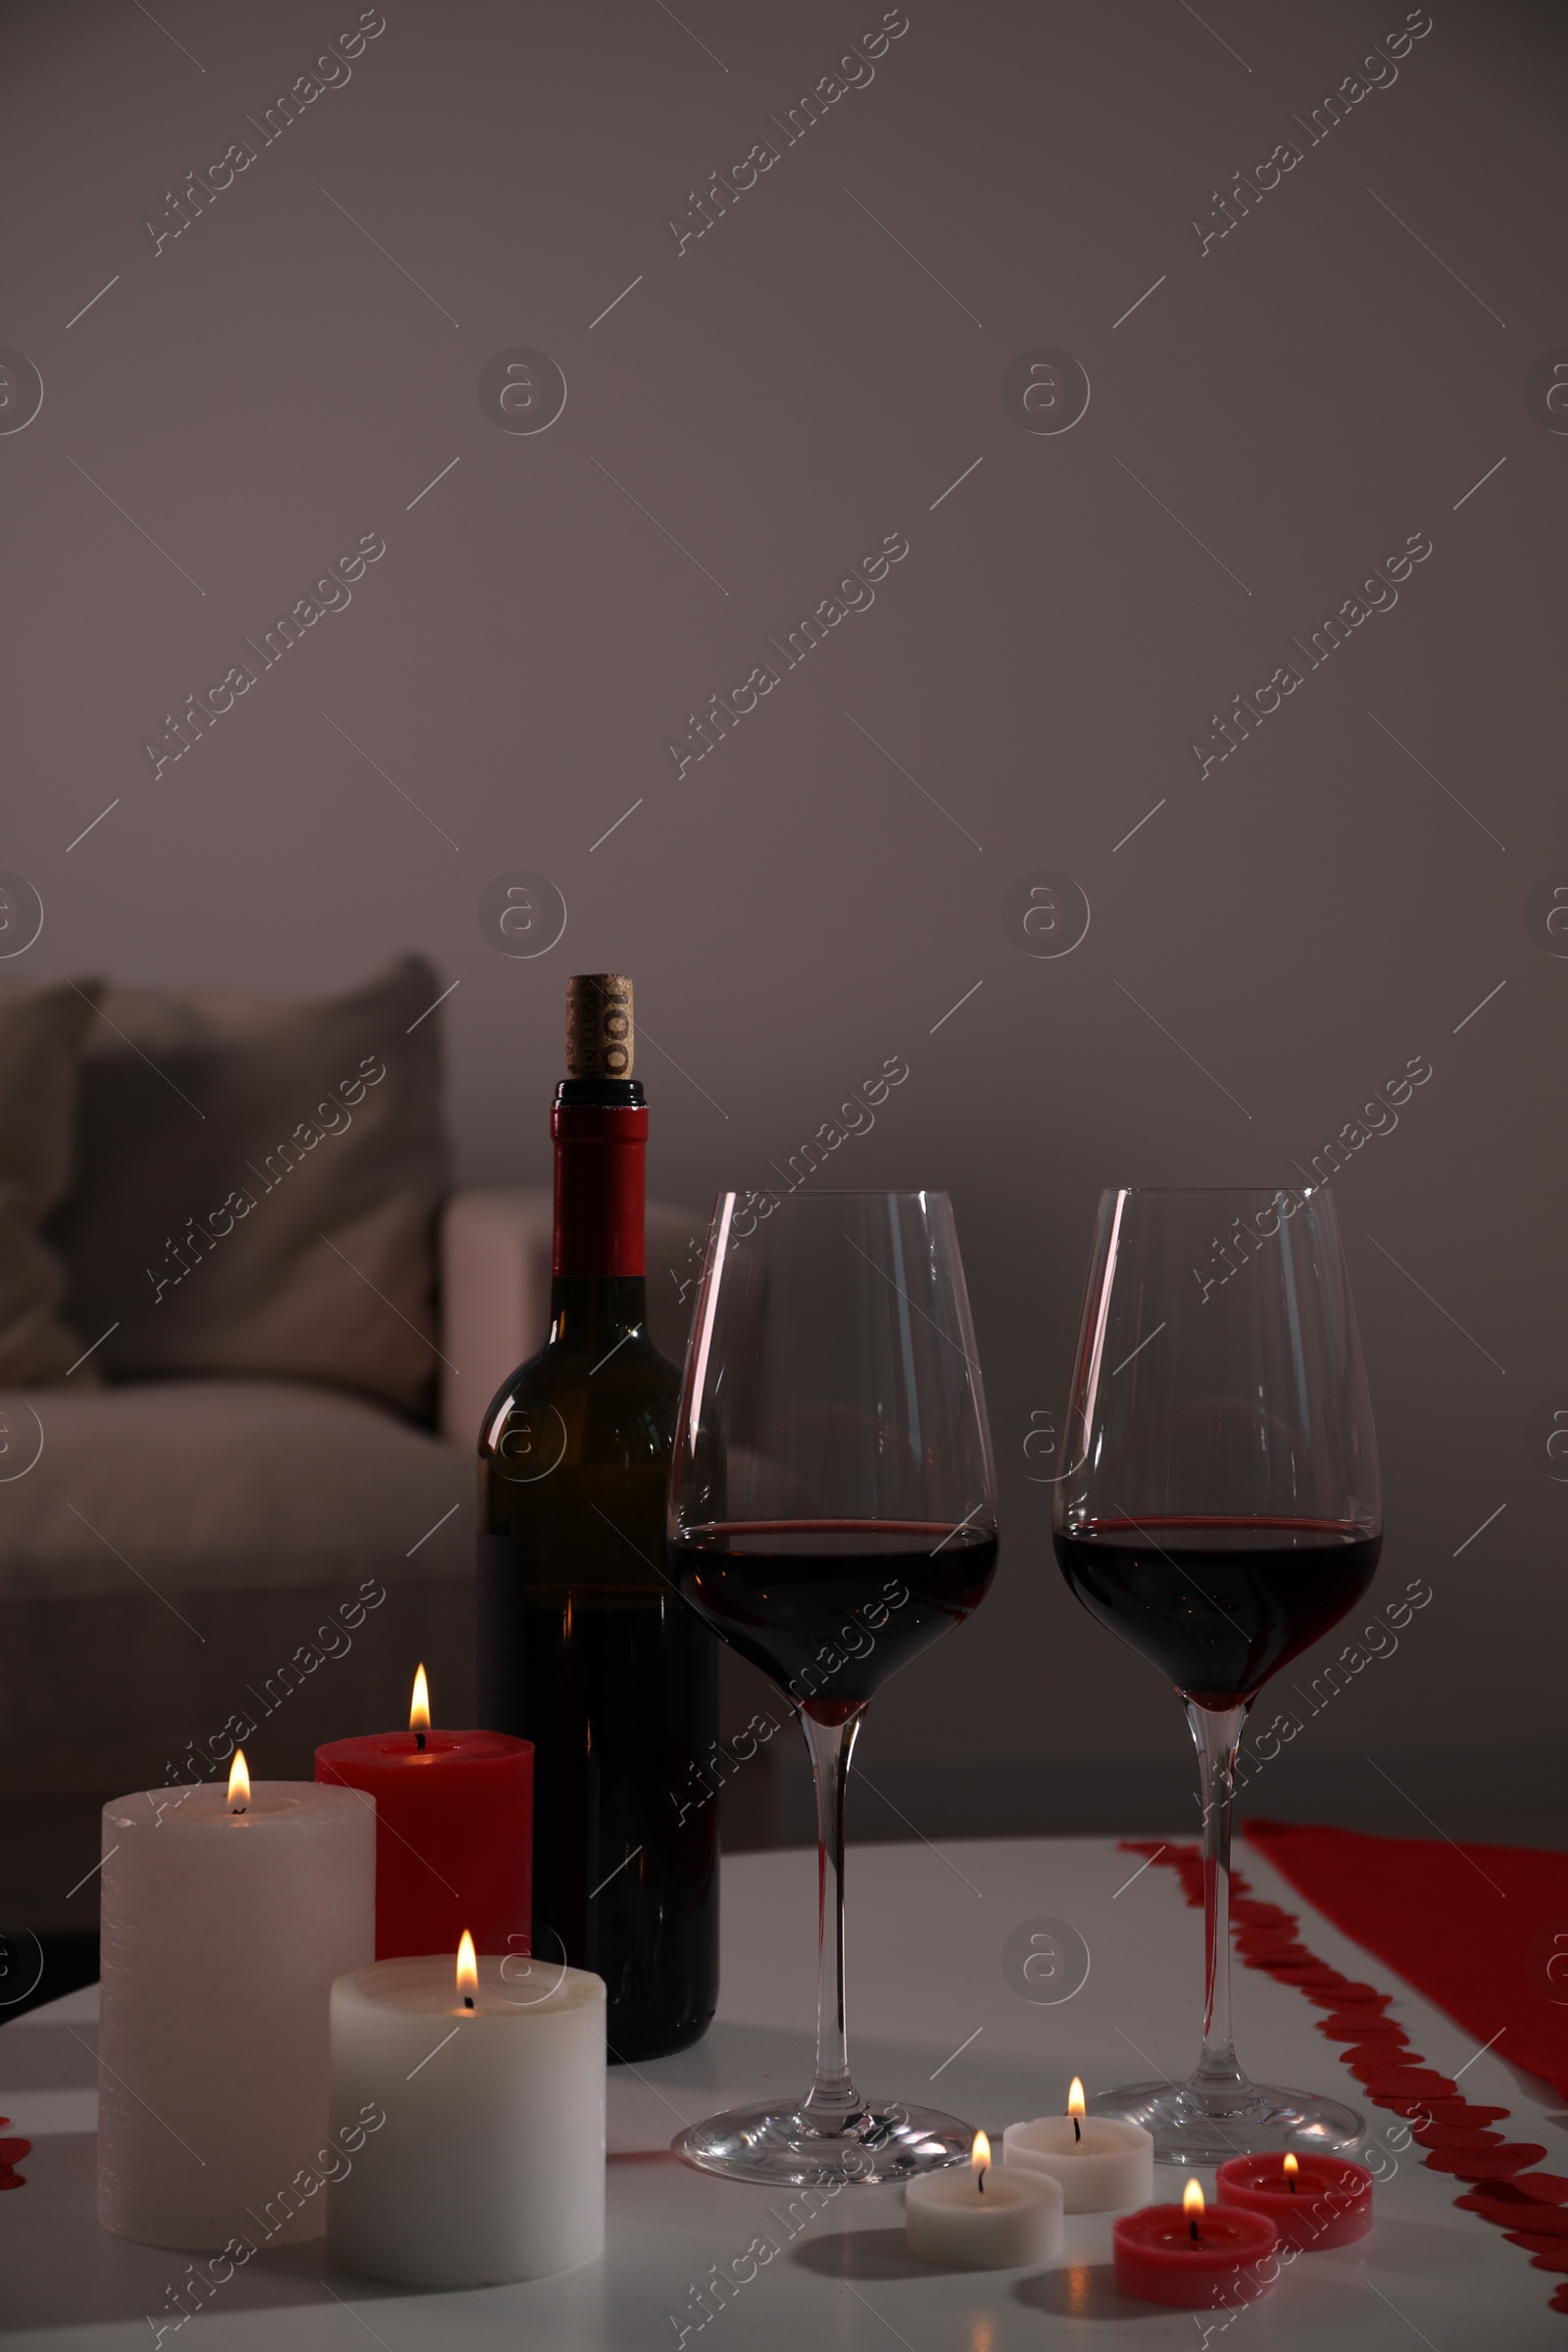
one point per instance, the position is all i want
(1147, 336)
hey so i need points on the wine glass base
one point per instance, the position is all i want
(785, 2147)
(1202, 2126)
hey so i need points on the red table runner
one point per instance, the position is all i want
(1454, 2135)
(1481, 1930)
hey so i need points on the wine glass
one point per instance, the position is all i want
(830, 1514)
(1221, 1510)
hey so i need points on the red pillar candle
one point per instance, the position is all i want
(1328, 2205)
(1180, 2254)
(454, 1832)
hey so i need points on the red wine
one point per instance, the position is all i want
(584, 1645)
(1218, 1605)
(830, 1607)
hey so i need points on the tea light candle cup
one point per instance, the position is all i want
(977, 2218)
(1103, 2165)
(1196, 2260)
(1330, 2203)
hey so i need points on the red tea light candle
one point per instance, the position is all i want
(454, 1832)
(1312, 2201)
(1182, 2254)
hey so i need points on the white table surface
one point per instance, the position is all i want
(926, 1930)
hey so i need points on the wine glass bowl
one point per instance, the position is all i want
(1221, 1512)
(830, 1516)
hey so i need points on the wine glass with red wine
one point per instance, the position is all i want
(831, 1514)
(1220, 1510)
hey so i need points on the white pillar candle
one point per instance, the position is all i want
(490, 2165)
(977, 2218)
(1103, 2165)
(224, 1921)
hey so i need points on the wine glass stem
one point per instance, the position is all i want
(1216, 1734)
(833, 2095)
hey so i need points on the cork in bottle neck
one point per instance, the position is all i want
(601, 1041)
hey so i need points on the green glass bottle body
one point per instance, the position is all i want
(584, 1645)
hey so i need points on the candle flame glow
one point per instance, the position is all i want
(980, 2160)
(1292, 2166)
(467, 1967)
(419, 1704)
(1075, 2097)
(1193, 2200)
(239, 1782)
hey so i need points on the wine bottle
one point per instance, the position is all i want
(585, 1646)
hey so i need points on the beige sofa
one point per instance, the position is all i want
(185, 1552)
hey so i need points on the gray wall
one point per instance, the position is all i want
(1290, 403)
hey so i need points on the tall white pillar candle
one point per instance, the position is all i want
(223, 1926)
(490, 2165)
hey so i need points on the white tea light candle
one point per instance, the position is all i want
(490, 2165)
(1102, 2163)
(226, 1914)
(976, 2218)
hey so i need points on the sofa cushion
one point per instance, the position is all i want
(186, 1492)
(257, 1185)
(41, 1038)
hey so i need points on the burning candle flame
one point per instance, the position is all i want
(1193, 2200)
(239, 1782)
(1075, 2097)
(980, 2160)
(419, 1704)
(1291, 2168)
(467, 1970)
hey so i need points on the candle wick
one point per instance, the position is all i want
(1077, 2131)
(418, 1741)
(236, 1808)
(981, 2181)
(468, 2000)
(1193, 2230)
(1290, 2183)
